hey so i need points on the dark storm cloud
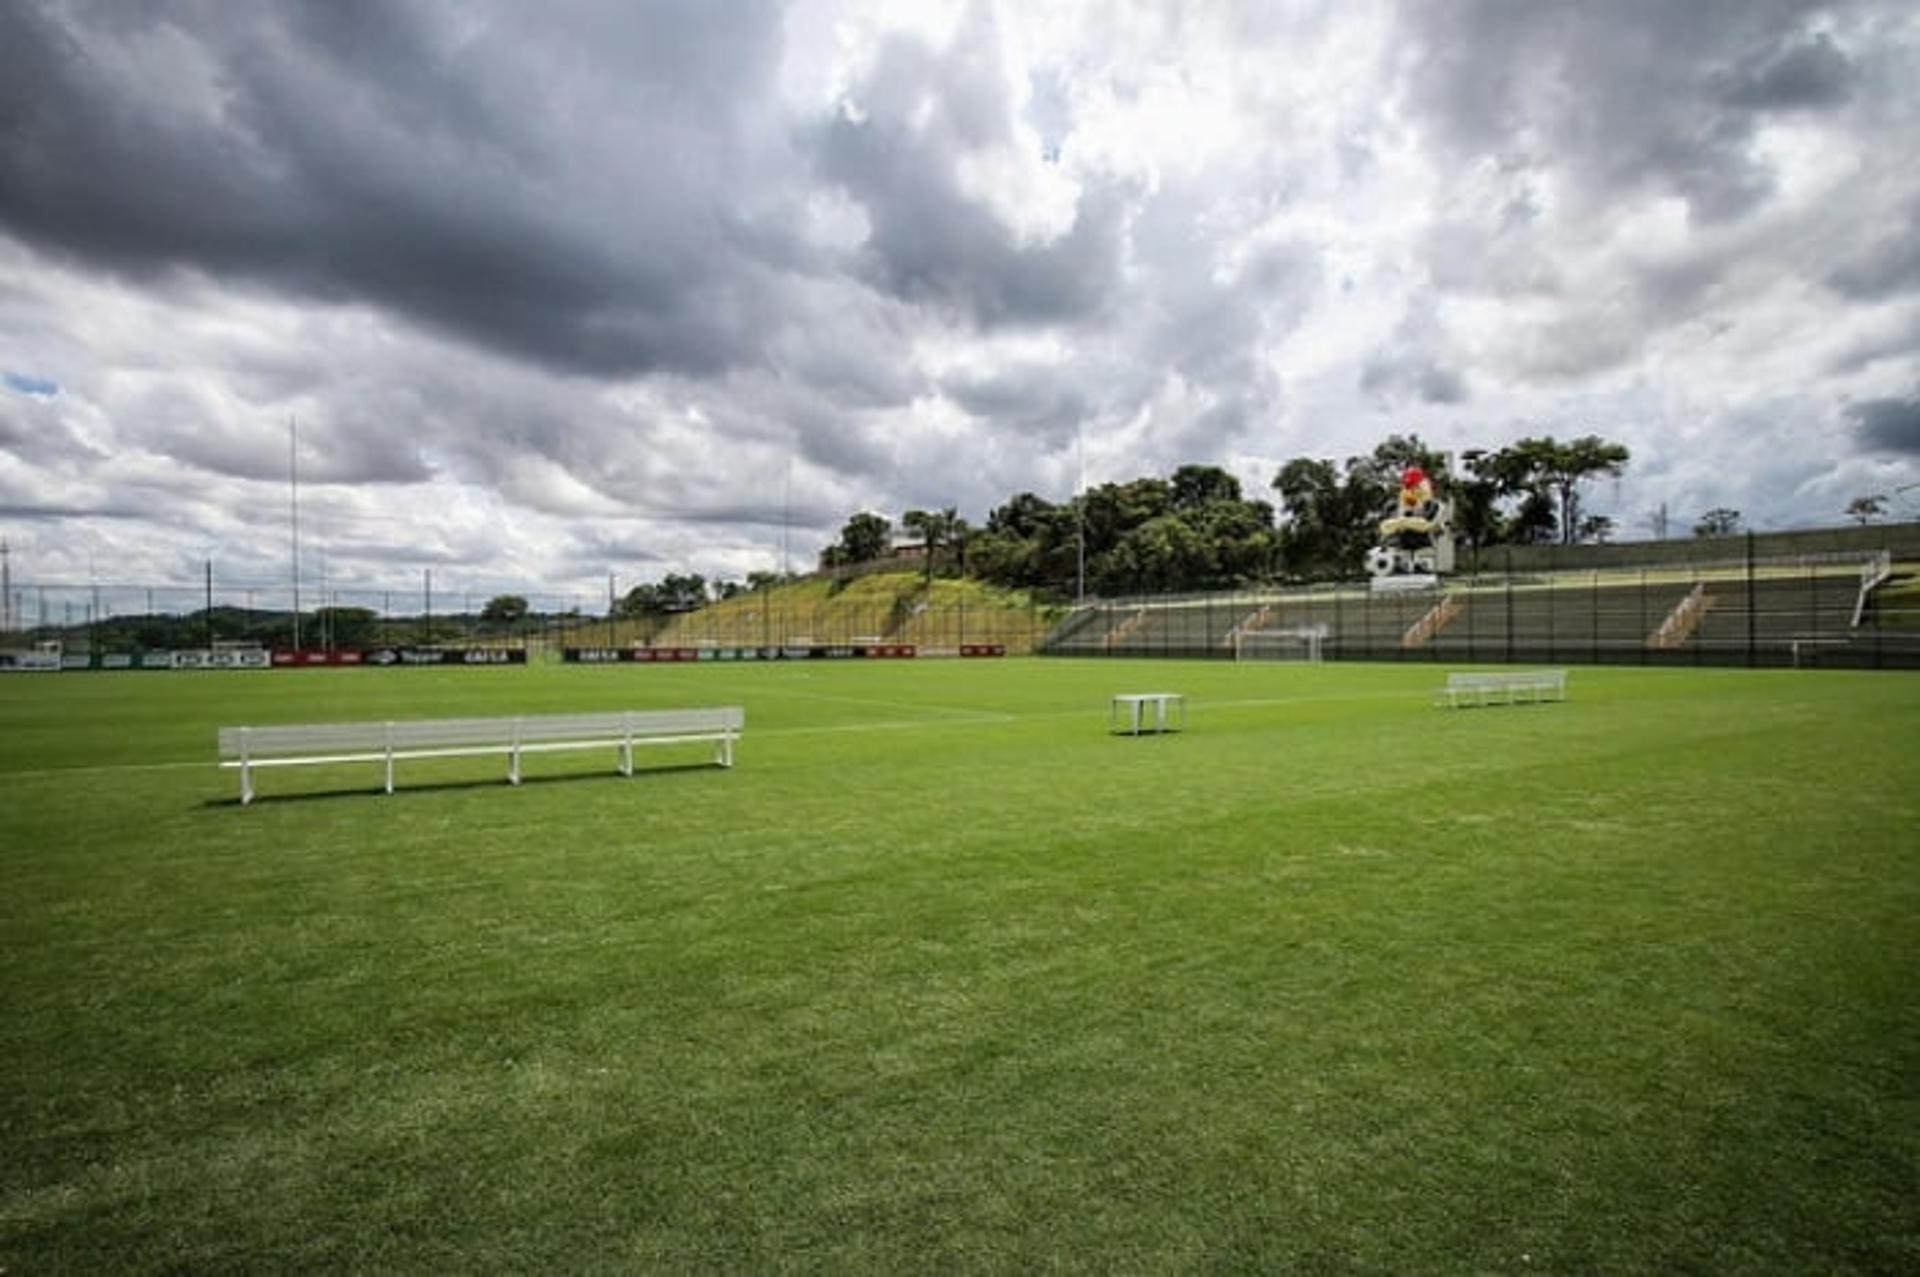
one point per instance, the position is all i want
(1396, 374)
(1888, 425)
(1626, 95)
(897, 151)
(1413, 363)
(1036, 404)
(33, 430)
(561, 186)
(1798, 75)
(1884, 269)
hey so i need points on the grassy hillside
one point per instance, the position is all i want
(897, 607)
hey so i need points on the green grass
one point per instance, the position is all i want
(944, 977)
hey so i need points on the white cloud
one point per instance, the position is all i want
(612, 290)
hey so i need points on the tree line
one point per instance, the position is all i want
(1197, 530)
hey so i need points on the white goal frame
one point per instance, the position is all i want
(1299, 643)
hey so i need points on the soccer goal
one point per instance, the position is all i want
(1301, 643)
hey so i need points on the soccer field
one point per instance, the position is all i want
(944, 976)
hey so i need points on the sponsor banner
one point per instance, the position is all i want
(252, 658)
(189, 659)
(983, 649)
(787, 652)
(300, 657)
(385, 657)
(627, 655)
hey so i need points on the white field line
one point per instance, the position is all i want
(959, 713)
(976, 718)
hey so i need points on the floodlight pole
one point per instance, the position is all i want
(1080, 507)
(293, 506)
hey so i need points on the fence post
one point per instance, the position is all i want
(1753, 602)
(1553, 613)
(1595, 658)
(1339, 630)
(1509, 606)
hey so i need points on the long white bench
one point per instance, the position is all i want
(1505, 688)
(312, 744)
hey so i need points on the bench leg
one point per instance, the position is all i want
(389, 771)
(246, 783)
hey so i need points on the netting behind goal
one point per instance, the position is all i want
(1301, 644)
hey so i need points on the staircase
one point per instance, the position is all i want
(1683, 620)
(1438, 617)
(1253, 621)
(1125, 628)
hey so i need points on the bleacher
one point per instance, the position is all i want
(1779, 615)
(1783, 621)
(1550, 621)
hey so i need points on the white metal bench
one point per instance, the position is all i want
(1504, 688)
(312, 744)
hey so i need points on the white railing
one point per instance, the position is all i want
(1877, 569)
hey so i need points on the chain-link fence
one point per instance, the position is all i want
(1725, 601)
(932, 628)
(1819, 610)
(102, 619)
(121, 618)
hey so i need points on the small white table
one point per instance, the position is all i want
(1134, 705)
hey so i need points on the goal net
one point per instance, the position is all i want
(1302, 643)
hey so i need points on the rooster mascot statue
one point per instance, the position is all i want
(1416, 538)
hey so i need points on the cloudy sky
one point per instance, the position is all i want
(649, 286)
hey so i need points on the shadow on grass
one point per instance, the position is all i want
(475, 782)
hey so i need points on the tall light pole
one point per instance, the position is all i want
(1080, 510)
(293, 506)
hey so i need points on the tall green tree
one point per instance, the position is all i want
(1329, 514)
(1162, 554)
(1864, 510)
(1024, 516)
(504, 609)
(1196, 487)
(1475, 494)
(1112, 510)
(682, 591)
(1597, 529)
(939, 531)
(1393, 455)
(862, 540)
(1720, 521)
(1548, 473)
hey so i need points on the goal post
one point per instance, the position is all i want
(1300, 643)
